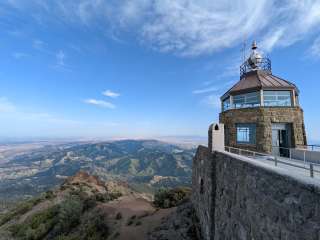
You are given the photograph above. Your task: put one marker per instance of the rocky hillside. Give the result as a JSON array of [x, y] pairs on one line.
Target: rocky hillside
[[84, 207], [145, 164]]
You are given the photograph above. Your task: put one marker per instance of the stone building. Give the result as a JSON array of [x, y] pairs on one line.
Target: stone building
[[261, 112]]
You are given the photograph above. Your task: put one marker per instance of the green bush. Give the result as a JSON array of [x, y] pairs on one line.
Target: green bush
[[107, 197], [94, 226], [69, 215], [36, 226], [130, 222], [167, 198], [21, 209]]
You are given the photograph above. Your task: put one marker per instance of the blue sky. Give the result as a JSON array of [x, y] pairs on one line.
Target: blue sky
[[144, 68]]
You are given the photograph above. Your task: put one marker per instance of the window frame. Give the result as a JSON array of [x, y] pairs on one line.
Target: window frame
[[226, 104], [277, 95], [250, 128], [247, 100]]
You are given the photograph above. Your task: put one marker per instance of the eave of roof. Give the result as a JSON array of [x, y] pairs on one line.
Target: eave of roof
[[257, 80]]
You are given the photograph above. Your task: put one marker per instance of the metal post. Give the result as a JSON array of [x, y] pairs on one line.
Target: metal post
[[254, 154], [275, 160], [290, 153], [304, 157], [311, 170]]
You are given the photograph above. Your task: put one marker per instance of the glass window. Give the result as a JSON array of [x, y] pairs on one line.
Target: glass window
[[246, 133], [246, 100], [277, 98], [226, 104]]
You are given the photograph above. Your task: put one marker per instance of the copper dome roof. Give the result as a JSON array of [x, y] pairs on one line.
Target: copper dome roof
[[259, 79]]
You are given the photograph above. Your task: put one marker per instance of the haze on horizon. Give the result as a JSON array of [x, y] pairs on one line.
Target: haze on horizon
[[141, 69]]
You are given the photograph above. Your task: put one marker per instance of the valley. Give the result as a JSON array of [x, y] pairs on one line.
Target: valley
[[29, 169]]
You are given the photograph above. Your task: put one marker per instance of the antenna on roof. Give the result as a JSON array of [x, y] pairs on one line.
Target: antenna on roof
[[243, 50]]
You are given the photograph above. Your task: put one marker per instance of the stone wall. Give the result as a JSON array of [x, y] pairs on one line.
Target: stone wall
[[203, 189], [263, 117], [245, 199]]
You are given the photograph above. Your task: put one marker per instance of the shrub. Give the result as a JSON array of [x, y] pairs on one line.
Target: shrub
[[166, 198], [21, 209], [94, 226], [36, 226], [130, 222], [69, 215]]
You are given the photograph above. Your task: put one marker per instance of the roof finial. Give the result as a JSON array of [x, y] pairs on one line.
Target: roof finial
[[254, 45]]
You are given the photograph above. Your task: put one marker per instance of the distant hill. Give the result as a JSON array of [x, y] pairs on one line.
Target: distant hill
[[145, 164]]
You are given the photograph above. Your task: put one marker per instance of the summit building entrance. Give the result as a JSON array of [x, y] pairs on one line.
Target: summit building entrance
[[281, 139]]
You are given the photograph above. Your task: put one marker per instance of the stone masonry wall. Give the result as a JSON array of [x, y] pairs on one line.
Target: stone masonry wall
[[203, 201], [246, 200], [263, 117]]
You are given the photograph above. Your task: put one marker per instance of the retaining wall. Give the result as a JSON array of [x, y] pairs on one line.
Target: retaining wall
[[244, 200]]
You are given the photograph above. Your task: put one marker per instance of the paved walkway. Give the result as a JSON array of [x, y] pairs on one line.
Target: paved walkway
[[295, 166]]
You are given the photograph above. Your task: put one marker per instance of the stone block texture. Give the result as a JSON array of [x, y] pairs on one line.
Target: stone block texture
[[246, 201], [203, 189], [263, 117]]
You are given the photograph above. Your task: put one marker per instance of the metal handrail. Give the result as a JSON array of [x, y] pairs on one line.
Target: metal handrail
[[311, 147], [299, 149], [275, 159]]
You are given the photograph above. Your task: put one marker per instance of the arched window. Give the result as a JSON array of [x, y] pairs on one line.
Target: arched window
[[216, 127]]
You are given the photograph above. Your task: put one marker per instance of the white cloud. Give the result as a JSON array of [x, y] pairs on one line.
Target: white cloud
[[212, 101], [109, 93], [205, 90], [6, 106], [188, 27], [15, 121], [315, 48], [100, 103], [19, 55], [37, 44], [8, 109], [60, 57]]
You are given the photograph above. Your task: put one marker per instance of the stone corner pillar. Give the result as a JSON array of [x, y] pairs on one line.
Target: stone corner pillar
[[216, 137]]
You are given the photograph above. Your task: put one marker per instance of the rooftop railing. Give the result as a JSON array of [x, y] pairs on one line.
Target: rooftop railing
[[264, 64]]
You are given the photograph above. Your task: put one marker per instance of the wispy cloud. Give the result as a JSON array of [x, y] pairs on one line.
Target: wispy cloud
[[109, 93], [315, 48], [6, 106], [100, 103], [212, 100], [205, 90], [19, 55], [60, 57], [16, 121], [187, 27], [38, 44]]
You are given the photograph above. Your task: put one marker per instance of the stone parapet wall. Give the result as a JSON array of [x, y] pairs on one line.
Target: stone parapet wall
[[203, 201], [245, 199], [263, 117]]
